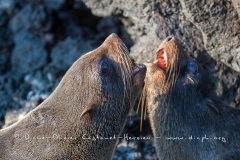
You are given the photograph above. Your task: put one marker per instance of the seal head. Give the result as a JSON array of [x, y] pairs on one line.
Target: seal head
[[85, 114]]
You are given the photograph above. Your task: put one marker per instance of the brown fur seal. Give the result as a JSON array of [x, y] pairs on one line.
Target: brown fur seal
[[84, 116], [188, 120]]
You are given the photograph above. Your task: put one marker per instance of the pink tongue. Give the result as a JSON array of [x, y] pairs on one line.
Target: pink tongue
[[135, 70]]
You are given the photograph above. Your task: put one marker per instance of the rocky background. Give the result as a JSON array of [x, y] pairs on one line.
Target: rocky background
[[40, 39]]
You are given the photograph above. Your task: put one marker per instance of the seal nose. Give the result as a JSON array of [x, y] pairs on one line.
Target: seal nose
[[114, 42], [169, 38], [113, 37]]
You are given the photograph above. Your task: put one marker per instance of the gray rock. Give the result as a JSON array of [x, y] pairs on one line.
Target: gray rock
[[6, 44], [54, 4], [34, 17], [7, 96], [135, 15], [236, 4], [219, 25], [66, 52], [28, 54], [140, 52], [108, 25], [112, 24], [6, 40], [4, 59], [126, 151], [228, 85], [3, 19], [7, 4]]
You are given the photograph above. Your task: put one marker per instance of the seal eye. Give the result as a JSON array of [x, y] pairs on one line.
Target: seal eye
[[105, 68], [192, 68]]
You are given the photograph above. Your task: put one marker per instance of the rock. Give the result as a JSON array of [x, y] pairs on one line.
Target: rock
[[112, 24], [6, 93], [54, 4], [126, 151], [229, 85], [135, 149], [3, 19], [6, 41], [136, 15], [212, 19], [66, 52], [28, 54], [236, 4], [140, 52], [4, 59], [7, 5], [108, 25], [75, 31], [4, 104], [37, 81], [12, 117], [31, 17]]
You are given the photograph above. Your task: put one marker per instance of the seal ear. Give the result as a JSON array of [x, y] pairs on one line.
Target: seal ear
[[89, 111], [211, 106]]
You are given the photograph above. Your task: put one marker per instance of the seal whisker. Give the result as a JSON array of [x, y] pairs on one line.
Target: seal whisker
[[124, 71], [140, 99], [169, 83], [175, 73], [128, 66], [144, 104], [143, 107]]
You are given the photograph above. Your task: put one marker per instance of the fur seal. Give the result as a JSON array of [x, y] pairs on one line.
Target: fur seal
[[187, 118], [84, 116]]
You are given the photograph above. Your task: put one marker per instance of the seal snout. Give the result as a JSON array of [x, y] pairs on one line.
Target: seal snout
[[113, 35], [113, 39], [138, 68], [115, 43]]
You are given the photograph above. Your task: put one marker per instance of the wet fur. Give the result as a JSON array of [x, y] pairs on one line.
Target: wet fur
[[84, 103], [181, 105]]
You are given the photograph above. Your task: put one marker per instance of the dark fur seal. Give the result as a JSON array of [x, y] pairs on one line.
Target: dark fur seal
[[188, 120], [84, 116]]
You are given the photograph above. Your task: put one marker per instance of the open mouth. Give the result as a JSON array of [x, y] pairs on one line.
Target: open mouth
[[137, 68], [161, 60]]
